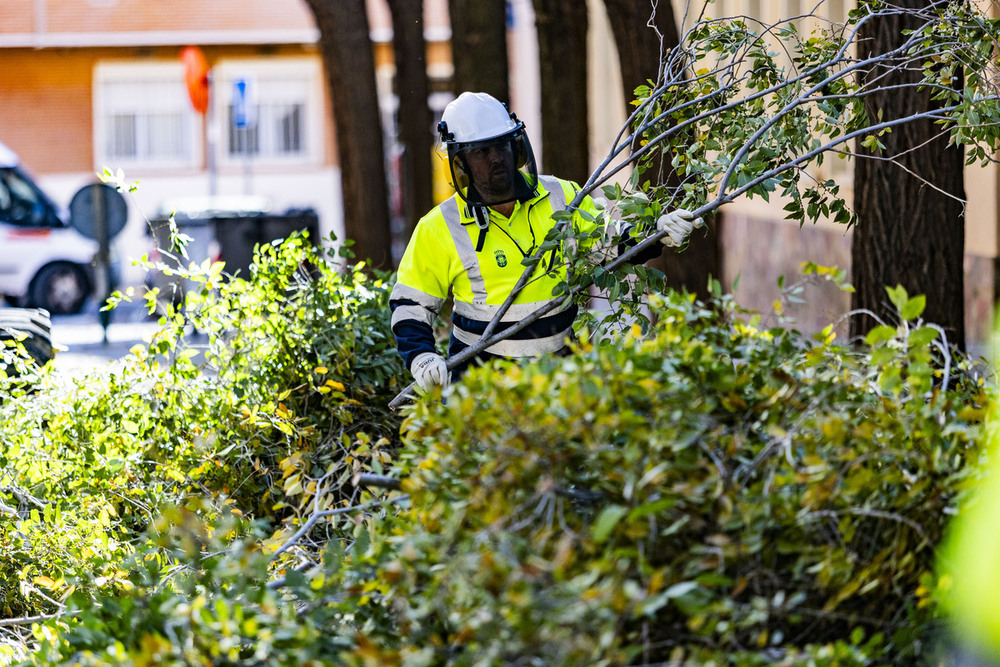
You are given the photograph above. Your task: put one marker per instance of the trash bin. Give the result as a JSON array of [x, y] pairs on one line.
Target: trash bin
[[221, 229], [238, 235], [202, 246]]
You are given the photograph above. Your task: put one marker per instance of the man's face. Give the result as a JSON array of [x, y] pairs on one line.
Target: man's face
[[492, 171]]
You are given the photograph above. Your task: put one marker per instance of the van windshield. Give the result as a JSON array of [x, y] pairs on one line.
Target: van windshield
[[20, 202]]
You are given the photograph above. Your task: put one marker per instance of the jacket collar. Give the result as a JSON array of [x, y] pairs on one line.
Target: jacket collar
[[469, 219]]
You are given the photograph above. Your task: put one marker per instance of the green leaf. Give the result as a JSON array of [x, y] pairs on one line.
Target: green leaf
[[881, 356], [606, 521], [898, 296], [922, 336], [654, 507], [681, 589], [913, 308], [880, 334]]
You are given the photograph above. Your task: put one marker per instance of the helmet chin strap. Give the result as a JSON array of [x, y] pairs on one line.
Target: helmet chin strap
[[482, 215]]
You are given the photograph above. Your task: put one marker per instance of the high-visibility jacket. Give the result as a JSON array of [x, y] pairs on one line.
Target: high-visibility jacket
[[448, 252]]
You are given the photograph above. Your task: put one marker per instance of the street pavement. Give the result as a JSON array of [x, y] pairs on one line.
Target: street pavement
[[83, 343]]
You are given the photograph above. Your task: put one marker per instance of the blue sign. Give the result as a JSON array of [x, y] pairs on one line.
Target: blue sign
[[243, 106]]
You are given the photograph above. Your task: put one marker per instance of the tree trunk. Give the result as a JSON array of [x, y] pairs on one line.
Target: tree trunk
[[644, 31], [642, 34], [413, 117], [479, 47], [562, 55], [350, 67], [910, 228]]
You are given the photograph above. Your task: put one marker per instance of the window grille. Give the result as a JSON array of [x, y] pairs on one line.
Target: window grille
[[282, 114], [143, 116]]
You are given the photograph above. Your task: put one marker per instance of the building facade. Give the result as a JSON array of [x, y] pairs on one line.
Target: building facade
[[89, 84], [95, 84]]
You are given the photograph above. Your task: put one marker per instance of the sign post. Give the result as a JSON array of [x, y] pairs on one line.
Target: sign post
[[198, 77], [99, 212], [245, 121]]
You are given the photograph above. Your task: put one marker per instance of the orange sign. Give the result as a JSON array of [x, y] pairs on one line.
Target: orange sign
[[196, 75]]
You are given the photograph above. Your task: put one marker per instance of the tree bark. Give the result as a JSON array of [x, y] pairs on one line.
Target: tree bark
[[350, 67], [562, 55], [413, 116], [479, 47], [645, 31], [909, 202]]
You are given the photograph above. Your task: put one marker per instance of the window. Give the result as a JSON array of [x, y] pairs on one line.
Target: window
[[272, 109], [20, 202], [143, 116]]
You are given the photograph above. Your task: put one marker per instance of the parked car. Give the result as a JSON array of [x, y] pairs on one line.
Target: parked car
[[44, 262], [33, 328]]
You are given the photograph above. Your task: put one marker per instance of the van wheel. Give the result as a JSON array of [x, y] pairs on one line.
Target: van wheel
[[59, 288]]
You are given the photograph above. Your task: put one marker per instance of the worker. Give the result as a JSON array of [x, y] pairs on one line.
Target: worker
[[472, 245]]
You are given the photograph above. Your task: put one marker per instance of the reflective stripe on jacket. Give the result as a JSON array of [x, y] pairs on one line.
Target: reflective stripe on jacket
[[441, 257]]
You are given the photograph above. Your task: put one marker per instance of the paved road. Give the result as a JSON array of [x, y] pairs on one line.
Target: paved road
[[83, 337]]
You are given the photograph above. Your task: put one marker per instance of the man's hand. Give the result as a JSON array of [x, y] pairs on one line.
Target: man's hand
[[678, 225], [429, 370]]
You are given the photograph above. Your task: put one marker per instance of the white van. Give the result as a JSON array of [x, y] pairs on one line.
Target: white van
[[44, 262]]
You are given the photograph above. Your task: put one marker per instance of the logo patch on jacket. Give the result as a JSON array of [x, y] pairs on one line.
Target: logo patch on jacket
[[501, 258]]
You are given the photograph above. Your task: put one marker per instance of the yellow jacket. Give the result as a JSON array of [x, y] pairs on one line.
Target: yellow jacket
[[442, 257]]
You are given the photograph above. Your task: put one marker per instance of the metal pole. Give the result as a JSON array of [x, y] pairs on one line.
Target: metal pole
[[212, 132], [103, 258]]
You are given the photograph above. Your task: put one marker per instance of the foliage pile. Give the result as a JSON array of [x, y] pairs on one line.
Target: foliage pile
[[701, 489], [251, 396], [707, 490], [300, 359]]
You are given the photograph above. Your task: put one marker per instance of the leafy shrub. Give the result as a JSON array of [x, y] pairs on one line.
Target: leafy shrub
[[193, 597], [289, 366], [260, 411], [711, 493], [707, 491]]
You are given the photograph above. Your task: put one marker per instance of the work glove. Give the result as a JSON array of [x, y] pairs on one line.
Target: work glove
[[429, 370], [678, 226], [606, 249]]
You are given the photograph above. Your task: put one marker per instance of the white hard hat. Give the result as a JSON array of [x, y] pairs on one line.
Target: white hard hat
[[476, 117], [478, 120]]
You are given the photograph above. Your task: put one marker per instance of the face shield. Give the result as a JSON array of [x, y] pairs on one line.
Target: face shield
[[490, 160], [494, 171]]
